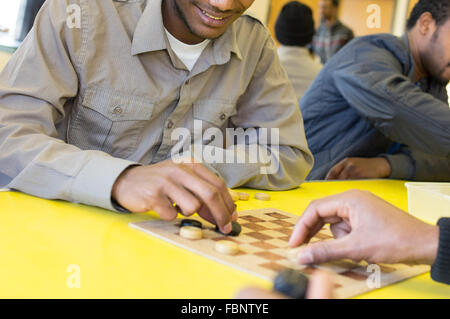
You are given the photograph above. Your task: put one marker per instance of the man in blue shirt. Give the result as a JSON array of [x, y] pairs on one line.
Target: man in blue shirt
[[379, 108]]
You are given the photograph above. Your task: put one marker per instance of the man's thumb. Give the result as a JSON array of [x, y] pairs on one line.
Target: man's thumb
[[324, 251]]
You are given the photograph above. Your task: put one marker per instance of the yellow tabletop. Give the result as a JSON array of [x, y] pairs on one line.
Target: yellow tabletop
[[46, 246]]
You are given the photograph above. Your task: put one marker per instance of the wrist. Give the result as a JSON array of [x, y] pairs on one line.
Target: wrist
[[384, 167], [119, 181], [428, 246]]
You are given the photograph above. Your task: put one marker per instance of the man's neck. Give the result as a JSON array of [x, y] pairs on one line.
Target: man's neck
[[419, 71], [175, 24]]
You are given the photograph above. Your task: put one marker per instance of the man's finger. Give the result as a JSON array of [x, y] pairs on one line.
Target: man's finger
[[210, 177], [210, 196], [257, 293], [320, 286], [165, 209], [326, 210], [206, 214], [340, 230], [184, 199], [325, 251], [336, 170]]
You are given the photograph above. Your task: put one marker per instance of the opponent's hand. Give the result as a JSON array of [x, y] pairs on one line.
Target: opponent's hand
[[320, 287], [360, 168], [365, 227], [191, 186]]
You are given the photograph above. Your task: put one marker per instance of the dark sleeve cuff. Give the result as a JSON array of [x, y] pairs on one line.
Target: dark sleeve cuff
[[119, 208], [402, 166], [440, 271]]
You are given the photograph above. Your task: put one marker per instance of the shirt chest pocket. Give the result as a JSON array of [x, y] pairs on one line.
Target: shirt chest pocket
[[109, 121], [214, 112]]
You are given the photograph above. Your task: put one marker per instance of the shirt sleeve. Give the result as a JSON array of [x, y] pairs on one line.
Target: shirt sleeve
[[374, 86], [269, 102], [410, 164], [440, 271], [35, 86]]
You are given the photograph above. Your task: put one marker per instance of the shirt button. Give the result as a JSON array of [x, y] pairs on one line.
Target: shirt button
[[117, 110], [170, 125], [223, 116]]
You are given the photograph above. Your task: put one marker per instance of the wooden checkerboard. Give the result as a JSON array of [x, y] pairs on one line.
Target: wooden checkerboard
[[264, 251]]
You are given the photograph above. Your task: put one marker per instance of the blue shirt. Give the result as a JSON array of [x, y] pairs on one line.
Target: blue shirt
[[365, 99]]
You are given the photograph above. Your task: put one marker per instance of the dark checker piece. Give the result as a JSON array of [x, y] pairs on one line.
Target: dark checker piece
[[191, 222], [292, 283], [235, 229]]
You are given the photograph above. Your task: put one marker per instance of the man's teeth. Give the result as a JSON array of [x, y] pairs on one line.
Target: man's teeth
[[210, 16]]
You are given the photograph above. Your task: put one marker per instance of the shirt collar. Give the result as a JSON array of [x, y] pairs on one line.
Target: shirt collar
[[150, 35], [225, 45]]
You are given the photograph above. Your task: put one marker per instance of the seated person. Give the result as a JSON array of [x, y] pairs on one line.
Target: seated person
[[379, 107], [90, 105], [366, 227], [294, 30]]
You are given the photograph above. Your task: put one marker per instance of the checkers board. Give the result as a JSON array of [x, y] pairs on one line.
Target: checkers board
[[264, 251]]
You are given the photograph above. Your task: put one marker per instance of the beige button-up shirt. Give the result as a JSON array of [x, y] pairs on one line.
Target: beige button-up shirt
[[80, 103]]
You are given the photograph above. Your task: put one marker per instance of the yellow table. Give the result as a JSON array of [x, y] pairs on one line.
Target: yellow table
[[45, 244]]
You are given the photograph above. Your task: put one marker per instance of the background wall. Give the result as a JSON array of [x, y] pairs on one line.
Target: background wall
[[352, 12], [260, 9], [412, 3]]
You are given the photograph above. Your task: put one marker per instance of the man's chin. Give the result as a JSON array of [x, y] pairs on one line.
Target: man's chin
[[209, 35], [442, 80]]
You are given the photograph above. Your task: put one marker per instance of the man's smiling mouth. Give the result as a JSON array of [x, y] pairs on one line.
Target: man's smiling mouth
[[211, 16]]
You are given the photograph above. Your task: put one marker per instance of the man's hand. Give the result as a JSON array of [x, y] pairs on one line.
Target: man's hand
[[191, 186], [360, 168], [365, 227], [320, 287]]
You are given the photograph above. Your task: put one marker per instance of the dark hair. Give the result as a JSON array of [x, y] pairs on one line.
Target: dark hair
[[439, 9], [335, 3]]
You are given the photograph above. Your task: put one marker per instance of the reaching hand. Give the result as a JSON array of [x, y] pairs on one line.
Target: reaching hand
[[365, 227], [360, 168], [191, 186]]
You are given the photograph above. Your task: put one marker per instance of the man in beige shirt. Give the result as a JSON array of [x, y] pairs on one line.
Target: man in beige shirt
[[93, 103]]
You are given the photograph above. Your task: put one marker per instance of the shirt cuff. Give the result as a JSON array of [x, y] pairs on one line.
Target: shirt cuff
[[440, 271], [94, 183], [402, 166]]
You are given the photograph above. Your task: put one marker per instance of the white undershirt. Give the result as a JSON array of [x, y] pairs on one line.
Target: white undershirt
[[188, 54]]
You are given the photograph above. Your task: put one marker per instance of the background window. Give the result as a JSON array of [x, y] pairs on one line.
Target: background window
[[16, 20]]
